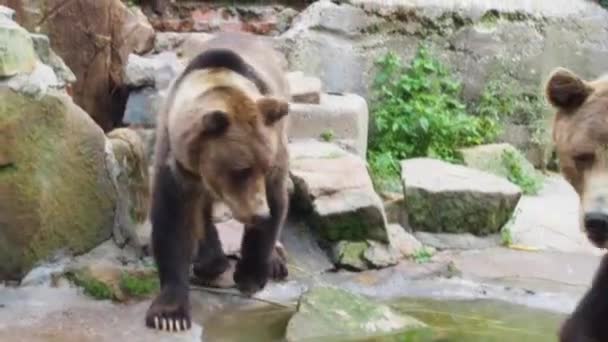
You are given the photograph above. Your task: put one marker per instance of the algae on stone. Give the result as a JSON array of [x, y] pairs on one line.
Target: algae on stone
[[56, 191], [332, 314]]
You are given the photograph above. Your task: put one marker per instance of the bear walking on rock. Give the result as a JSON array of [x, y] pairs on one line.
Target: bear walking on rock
[[580, 134], [221, 137]]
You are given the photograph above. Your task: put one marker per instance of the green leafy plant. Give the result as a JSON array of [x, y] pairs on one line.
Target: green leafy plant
[[418, 112], [423, 255], [504, 100], [604, 3], [528, 180], [328, 135]]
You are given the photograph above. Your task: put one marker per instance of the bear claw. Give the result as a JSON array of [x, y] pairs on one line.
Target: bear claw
[[170, 311]]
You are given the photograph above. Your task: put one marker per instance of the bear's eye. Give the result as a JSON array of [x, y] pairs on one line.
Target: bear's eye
[[242, 174], [584, 160]]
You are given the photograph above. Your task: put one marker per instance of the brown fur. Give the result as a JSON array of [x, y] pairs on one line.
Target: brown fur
[[221, 137], [580, 134]]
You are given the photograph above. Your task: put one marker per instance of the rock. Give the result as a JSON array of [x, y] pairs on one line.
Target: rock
[[380, 255], [148, 138], [142, 107], [304, 89], [328, 313], [334, 190], [466, 241], [341, 118], [349, 254], [37, 83], [139, 71], [305, 256], [444, 197], [155, 71], [402, 241], [7, 13], [58, 193], [394, 206], [16, 49], [485, 35], [137, 33], [129, 170], [109, 272], [491, 158], [95, 47]]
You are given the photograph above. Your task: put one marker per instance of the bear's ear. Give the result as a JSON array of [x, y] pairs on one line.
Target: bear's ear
[[214, 123], [565, 90], [272, 109]]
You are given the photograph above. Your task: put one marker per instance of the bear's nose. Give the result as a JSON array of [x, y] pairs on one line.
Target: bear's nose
[[596, 223]]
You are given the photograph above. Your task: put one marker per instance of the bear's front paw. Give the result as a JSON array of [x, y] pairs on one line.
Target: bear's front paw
[[251, 277], [170, 311], [278, 266]]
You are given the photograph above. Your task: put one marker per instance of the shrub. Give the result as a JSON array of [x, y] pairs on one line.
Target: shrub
[[417, 112]]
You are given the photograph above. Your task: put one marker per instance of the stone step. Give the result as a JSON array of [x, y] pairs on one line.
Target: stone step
[[339, 118], [304, 89]]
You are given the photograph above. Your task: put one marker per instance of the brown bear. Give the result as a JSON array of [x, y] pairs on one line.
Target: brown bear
[[580, 134], [220, 137]]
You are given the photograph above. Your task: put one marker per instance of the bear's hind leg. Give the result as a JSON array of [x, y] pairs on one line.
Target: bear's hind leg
[[172, 235], [210, 261]]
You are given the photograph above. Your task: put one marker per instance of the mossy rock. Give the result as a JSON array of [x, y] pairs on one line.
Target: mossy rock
[[447, 198], [332, 314], [506, 161], [55, 186]]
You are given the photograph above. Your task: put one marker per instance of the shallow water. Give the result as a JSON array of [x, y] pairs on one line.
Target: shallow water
[[451, 321]]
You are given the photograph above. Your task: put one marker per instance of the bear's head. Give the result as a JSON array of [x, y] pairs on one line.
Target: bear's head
[[231, 141], [580, 133]]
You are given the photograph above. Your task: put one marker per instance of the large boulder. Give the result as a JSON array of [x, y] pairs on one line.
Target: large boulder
[[335, 190], [331, 314], [94, 37], [56, 193], [444, 197]]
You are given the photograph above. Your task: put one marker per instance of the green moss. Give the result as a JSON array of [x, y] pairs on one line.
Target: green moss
[[139, 285], [61, 195], [528, 180], [91, 286], [357, 226]]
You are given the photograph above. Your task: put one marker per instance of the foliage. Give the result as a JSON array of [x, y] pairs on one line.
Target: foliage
[[423, 255], [328, 135], [504, 100], [528, 180], [91, 286], [604, 3], [418, 112], [139, 285], [506, 239]]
